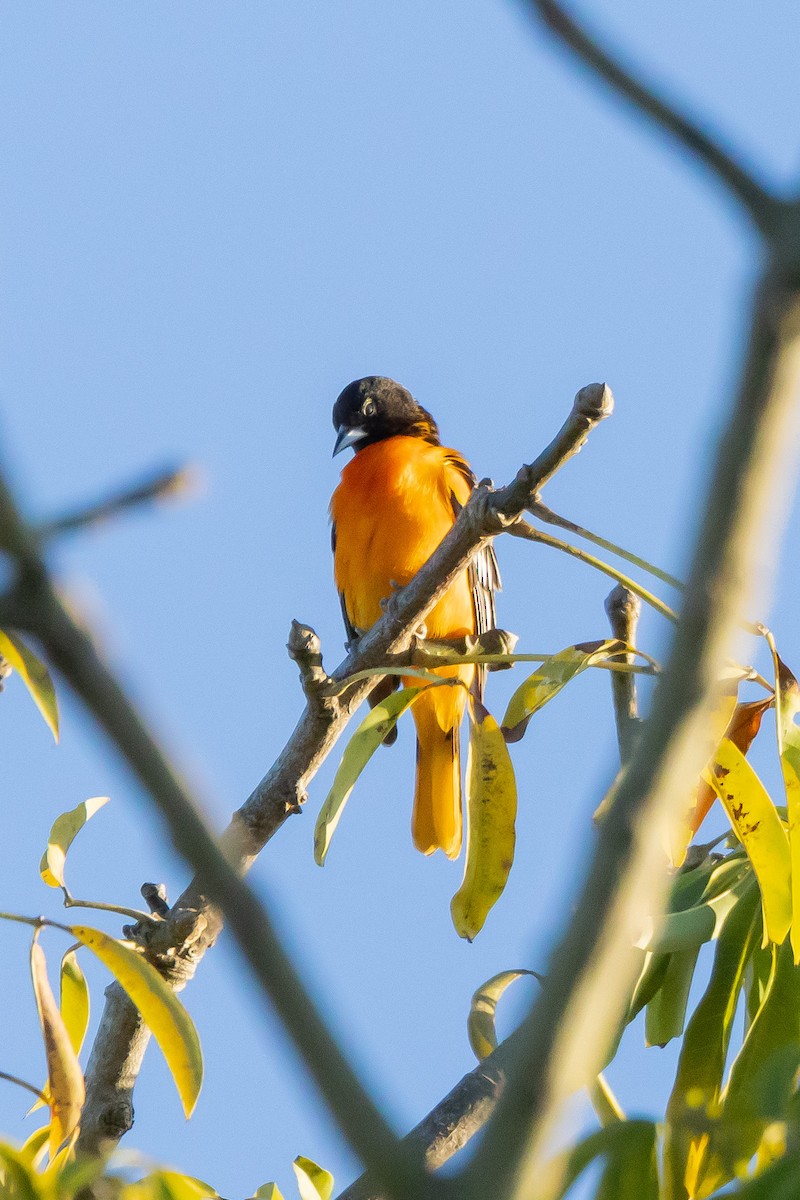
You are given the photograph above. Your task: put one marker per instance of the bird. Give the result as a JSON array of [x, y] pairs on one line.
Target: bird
[[397, 498]]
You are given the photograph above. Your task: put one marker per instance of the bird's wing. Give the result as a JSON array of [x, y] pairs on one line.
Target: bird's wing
[[483, 571], [350, 629]]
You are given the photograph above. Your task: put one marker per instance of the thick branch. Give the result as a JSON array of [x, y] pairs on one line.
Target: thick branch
[[217, 888], [758, 202], [453, 1122], [572, 1023]]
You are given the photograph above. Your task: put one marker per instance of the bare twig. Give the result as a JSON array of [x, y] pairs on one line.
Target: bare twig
[[176, 481], [119, 1046], [623, 609], [761, 206]]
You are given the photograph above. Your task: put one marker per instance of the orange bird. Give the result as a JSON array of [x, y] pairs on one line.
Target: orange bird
[[397, 499]]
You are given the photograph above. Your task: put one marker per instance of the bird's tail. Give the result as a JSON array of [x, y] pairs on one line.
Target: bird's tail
[[436, 819]]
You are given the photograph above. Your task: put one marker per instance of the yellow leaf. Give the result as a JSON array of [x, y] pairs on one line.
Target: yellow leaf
[[787, 707], [62, 835], [678, 834], [65, 1079], [379, 721], [313, 1181], [74, 1008], [268, 1191], [483, 1010], [491, 814], [756, 823], [34, 675], [554, 674], [168, 1020]]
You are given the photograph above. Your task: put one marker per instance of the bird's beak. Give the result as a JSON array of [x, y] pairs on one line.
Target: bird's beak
[[347, 436]]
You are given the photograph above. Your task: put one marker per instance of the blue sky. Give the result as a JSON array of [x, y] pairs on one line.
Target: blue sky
[[212, 217]]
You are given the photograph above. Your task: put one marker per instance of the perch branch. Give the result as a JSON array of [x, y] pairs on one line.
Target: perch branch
[[217, 888]]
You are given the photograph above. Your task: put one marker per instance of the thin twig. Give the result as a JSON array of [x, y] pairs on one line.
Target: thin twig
[[23, 1083], [177, 481], [623, 609], [760, 205]]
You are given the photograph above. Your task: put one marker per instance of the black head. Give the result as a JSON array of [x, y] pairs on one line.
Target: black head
[[374, 408]]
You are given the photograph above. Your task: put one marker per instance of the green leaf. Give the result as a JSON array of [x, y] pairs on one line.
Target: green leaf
[[19, 1180], [761, 1080], [34, 675], [63, 833], [756, 823], [781, 1181], [607, 1107], [491, 817], [698, 1081], [268, 1191], [483, 1010], [666, 1011], [631, 1172], [546, 682], [65, 1085], [378, 722], [314, 1182], [166, 1017]]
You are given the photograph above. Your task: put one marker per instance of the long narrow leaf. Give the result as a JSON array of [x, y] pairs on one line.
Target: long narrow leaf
[[34, 675], [546, 682], [372, 731], [168, 1020], [492, 813], [759, 828], [65, 1084], [787, 708]]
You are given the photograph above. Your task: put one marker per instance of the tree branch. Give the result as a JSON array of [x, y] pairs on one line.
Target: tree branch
[[176, 481], [572, 1024], [217, 888], [760, 205], [453, 1122], [623, 608]]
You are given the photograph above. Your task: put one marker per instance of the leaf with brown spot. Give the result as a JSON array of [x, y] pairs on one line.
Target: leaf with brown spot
[[491, 817], [744, 725]]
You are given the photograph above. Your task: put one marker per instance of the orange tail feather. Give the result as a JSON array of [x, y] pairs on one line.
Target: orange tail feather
[[436, 819]]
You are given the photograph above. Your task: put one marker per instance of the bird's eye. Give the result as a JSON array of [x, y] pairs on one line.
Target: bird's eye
[[368, 407]]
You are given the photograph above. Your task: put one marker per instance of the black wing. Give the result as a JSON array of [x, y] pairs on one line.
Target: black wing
[[350, 629], [484, 575]]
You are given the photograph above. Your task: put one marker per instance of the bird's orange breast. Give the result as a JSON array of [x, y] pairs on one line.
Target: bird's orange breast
[[390, 511]]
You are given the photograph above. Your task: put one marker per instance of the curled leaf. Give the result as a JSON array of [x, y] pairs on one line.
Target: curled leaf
[[491, 817], [483, 1011], [65, 1084], [34, 675], [168, 1020], [313, 1181], [372, 731], [63, 833]]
